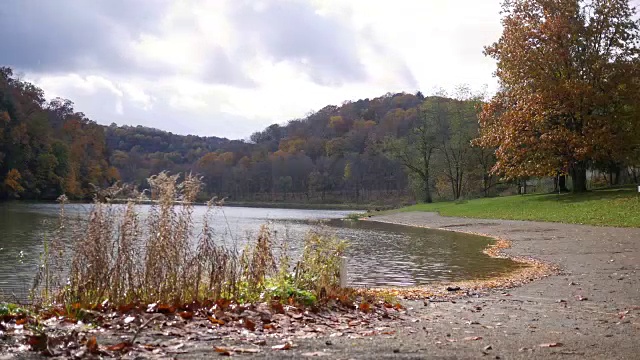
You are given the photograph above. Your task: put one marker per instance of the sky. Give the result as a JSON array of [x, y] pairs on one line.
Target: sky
[[229, 68]]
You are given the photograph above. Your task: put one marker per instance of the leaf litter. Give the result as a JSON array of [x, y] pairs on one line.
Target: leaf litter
[[227, 328]]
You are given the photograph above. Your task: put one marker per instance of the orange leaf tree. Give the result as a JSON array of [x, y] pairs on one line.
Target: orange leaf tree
[[568, 74]]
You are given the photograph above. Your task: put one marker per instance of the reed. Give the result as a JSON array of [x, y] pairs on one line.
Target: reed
[[122, 255]]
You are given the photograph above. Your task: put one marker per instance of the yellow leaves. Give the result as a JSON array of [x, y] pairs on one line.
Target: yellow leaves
[[292, 146], [12, 181]]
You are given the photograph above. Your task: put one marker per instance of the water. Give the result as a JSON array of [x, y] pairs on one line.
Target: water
[[379, 254]]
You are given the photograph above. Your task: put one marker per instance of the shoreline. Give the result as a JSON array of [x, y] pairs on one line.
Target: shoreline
[[533, 270]]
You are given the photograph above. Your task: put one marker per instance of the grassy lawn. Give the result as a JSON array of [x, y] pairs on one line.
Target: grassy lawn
[[611, 207]]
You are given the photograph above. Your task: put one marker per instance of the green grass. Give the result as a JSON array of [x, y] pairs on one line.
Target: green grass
[[610, 207]]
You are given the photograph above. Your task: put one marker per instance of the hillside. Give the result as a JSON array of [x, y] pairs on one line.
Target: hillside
[[338, 154]]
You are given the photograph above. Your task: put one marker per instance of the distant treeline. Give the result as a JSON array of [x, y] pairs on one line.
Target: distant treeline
[[366, 151]]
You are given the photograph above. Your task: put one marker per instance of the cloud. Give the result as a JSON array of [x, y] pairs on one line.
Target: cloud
[[231, 67], [322, 46], [70, 35]]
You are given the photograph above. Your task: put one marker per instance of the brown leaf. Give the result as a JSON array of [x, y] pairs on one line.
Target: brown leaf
[[285, 346], [317, 353], [37, 342], [21, 321], [268, 326], [166, 309], [365, 307], [187, 315], [92, 345], [277, 307], [223, 350], [249, 324], [215, 321], [473, 338], [550, 345], [119, 347], [125, 308]]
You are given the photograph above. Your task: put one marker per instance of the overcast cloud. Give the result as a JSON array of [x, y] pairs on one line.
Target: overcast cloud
[[231, 67]]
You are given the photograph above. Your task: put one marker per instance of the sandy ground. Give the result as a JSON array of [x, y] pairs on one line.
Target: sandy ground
[[591, 310]]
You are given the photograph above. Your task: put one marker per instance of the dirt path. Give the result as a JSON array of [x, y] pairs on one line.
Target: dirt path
[[592, 308]]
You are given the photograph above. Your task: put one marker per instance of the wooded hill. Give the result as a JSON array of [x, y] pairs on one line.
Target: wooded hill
[[338, 154]]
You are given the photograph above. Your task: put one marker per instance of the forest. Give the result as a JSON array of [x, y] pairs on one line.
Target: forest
[[355, 152], [556, 120]]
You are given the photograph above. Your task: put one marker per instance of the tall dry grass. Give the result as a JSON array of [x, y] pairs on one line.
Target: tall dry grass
[[121, 255]]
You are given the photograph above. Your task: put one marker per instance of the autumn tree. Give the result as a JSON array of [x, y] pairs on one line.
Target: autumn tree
[[568, 75]]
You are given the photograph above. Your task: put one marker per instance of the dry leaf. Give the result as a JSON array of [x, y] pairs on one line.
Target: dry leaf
[[119, 347], [317, 353], [551, 345], [187, 315], [215, 321], [365, 307], [249, 324], [92, 345], [285, 346], [473, 338]]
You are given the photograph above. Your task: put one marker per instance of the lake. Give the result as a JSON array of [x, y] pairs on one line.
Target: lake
[[378, 255]]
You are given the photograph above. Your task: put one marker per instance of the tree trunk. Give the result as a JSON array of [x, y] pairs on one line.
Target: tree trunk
[[427, 191], [562, 184], [579, 177]]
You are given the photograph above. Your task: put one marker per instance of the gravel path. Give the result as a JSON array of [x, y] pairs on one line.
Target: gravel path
[[590, 311]]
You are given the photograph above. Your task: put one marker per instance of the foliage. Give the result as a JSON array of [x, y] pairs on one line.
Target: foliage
[[611, 207], [568, 72], [46, 148]]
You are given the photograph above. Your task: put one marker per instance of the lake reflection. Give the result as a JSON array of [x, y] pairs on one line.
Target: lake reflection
[[379, 254]]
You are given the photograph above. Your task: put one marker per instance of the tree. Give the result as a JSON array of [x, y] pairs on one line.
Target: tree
[[12, 183], [568, 72], [456, 127], [415, 151]]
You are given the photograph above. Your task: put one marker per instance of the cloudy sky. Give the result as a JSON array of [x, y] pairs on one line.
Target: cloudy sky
[[231, 67]]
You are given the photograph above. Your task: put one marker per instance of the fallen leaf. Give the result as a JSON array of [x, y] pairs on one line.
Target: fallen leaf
[[473, 338], [285, 346], [317, 353], [223, 350], [249, 324], [215, 321], [92, 345], [21, 321], [187, 315], [365, 307], [37, 342], [166, 309], [550, 345], [277, 307], [119, 347]]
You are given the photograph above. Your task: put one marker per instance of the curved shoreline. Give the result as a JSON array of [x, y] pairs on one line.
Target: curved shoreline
[[533, 269]]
